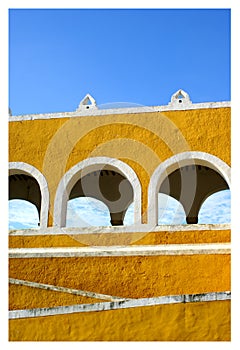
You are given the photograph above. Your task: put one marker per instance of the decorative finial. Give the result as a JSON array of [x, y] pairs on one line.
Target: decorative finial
[[87, 102], [180, 99]]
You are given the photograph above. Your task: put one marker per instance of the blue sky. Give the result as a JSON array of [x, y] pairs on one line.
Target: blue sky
[[118, 55], [83, 212], [139, 56]]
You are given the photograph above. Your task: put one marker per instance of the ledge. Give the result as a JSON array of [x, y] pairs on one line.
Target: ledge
[[117, 229], [103, 251], [131, 110], [104, 306]]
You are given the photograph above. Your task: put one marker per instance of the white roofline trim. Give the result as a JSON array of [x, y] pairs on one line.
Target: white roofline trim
[[115, 111]]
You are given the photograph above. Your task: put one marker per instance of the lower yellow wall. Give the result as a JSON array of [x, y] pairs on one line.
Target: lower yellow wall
[[203, 321], [129, 276]]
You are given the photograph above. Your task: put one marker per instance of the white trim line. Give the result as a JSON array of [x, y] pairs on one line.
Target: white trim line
[[25, 168], [103, 251], [118, 229], [64, 290], [169, 299], [88, 165], [177, 161], [130, 110]]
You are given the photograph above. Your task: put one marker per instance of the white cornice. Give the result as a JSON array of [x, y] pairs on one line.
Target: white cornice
[[115, 111]]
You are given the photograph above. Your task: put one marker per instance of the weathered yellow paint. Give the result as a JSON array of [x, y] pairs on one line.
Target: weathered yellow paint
[[209, 321], [103, 239], [206, 130], [129, 276], [53, 146]]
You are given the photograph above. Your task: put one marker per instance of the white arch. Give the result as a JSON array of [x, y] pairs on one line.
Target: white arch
[[89, 165], [173, 163], [25, 168]]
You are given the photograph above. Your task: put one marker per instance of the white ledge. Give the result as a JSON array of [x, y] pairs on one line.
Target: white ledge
[[143, 250], [104, 306], [118, 229], [129, 110]]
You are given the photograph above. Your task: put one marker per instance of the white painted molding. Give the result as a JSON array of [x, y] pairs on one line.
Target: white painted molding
[[129, 110], [114, 305], [175, 162], [99, 230], [25, 168], [87, 166], [103, 251]]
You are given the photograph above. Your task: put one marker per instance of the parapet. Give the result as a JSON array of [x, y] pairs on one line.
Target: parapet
[[180, 100]]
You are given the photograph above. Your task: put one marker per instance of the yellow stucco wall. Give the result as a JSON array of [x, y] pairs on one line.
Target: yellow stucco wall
[[129, 276], [204, 321], [141, 140]]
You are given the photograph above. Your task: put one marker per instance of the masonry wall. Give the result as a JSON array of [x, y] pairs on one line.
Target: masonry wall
[[127, 276], [209, 321], [141, 140]]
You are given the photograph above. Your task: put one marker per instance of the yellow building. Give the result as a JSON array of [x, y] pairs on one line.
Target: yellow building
[[143, 281]]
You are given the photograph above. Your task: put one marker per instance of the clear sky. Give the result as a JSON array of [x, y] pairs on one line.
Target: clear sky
[[117, 55], [82, 212]]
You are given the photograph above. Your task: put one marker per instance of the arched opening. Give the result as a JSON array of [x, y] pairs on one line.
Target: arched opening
[[25, 187], [109, 187], [27, 183], [191, 185], [108, 180], [170, 211], [216, 209], [22, 215], [190, 178], [22, 186]]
